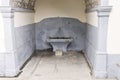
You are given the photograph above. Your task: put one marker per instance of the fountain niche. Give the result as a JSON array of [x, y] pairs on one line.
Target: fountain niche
[[59, 42], [61, 34]]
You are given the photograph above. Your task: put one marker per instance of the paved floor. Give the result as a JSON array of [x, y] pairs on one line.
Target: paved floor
[[46, 66]]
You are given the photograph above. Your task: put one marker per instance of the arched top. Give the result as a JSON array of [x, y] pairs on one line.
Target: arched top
[[29, 4]]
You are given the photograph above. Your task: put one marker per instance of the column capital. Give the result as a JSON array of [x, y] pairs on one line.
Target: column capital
[[7, 11], [100, 9], [104, 11]]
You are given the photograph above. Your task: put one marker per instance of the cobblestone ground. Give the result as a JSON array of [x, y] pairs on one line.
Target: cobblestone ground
[[45, 65]]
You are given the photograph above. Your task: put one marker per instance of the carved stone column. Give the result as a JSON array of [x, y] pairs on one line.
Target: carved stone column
[[100, 70], [9, 56], [7, 53], [100, 61]]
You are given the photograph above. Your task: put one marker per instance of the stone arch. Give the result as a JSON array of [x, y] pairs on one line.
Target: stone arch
[[100, 71]]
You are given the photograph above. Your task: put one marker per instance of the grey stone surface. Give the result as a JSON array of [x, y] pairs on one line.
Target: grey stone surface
[[101, 61], [113, 65], [16, 54], [91, 43], [96, 59], [2, 67], [59, 44], [69, 28], [10, 64], [7, 56], [24, 42], [100, 67], [96, 43], [115, 71]]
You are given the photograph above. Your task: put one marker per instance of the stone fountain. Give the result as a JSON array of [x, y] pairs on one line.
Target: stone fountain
[[59, 42]]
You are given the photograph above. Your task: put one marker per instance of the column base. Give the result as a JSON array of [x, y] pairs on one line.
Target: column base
[[100, 74]]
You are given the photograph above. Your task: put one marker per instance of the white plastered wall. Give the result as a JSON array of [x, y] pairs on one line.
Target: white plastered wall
[[60, 8], [92, 19], [0, 3], [2, 38], [5, 2], [23, 18], [113, 40]]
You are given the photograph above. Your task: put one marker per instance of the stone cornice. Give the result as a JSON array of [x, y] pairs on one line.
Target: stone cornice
[[91, 10], [7, 9], [23, 10], [102, 10], [8, 12]]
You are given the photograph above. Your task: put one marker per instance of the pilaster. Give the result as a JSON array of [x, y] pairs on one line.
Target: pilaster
[[100, 70], [8, 56]]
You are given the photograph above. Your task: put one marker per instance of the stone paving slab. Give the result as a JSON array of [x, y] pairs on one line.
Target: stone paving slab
[[46, 66]]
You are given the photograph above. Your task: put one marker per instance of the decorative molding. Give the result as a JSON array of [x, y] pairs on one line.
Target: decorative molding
[[91, 10], [23, 10], [5, 9], [99, 9], [104, 11], [26, 4], [92, 4], [7, 12]]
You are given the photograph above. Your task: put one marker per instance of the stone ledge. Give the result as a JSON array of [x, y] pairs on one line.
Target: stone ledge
[[8, 9], [23, 10], [100, 9], [5, 9]]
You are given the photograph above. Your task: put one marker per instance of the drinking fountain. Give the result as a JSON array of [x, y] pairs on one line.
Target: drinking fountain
[[59, 44]]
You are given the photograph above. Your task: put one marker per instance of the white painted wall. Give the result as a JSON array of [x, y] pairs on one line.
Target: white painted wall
[[92, 19], [23, 18], [5, 2], [60, 8], [2, 38], [113, 40], [0, 2]]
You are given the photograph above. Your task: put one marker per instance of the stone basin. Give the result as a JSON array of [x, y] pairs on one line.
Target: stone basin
[[59, 43]]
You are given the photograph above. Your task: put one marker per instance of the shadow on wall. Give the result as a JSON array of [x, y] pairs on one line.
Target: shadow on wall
[[60, 27]]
